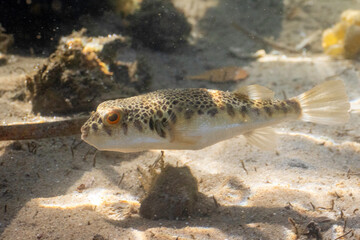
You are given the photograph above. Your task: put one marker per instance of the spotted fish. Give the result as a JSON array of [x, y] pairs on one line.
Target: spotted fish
[[196, 118]]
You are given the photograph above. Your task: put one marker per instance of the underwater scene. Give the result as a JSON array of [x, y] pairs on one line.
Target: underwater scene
[[180, 119]]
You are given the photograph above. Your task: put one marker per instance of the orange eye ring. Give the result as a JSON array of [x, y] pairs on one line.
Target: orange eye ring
[[113, 117]]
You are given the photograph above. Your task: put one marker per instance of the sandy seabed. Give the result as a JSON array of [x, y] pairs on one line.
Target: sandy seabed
[[307, 189]]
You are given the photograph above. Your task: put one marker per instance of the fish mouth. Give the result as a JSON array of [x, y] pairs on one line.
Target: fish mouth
[[85, 131], [92, 125], [84, 136]]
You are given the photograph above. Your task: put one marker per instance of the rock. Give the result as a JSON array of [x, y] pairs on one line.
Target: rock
[[173, 194], [159, 25], [82, 73], [6, 40]]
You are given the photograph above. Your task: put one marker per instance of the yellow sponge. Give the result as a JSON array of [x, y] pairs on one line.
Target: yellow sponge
[[343, 39]]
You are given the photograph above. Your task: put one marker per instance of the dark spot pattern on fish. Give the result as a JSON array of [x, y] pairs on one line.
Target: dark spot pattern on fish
[[94, 126], [256, 111], [173, 118], [159, 113], [159, 129], [124, 127], [268, 111], [164, 122], [151, 124], [230, 110], [188, 113], [138, 125], [243, 111], [294, 105], [285, 109], [212, 112], [107, 130]]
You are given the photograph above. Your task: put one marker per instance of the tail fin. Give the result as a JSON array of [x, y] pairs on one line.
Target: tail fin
[[327, 103]]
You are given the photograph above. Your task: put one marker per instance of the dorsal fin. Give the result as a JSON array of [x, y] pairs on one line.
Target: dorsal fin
[[256, 92]]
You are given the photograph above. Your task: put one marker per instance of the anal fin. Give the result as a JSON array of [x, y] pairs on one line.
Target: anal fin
[[263, 138]]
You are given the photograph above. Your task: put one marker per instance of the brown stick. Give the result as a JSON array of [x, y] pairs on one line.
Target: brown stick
[[344, 235], [41, 130], [258, 38]]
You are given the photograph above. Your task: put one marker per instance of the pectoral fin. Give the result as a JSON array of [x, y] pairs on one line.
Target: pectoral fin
[[263, 138], [182, 133]]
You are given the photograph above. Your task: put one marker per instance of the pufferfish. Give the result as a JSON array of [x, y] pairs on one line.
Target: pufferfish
[[195, 118]]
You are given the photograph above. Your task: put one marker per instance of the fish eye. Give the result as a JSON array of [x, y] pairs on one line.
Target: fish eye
[[113, 117]]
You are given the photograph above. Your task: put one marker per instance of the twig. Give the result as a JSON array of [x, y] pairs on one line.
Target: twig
[[215, 202], [243, 166], [160, 160], [341, 214], [337, 195], [258, 38], [343, 235], [292, 221], [121, 179], [289, 203], [86, 154], [94, 158], [312, 205], [32, 147], [349, 173], [308, 40], [41, 130], [76, 145], [329, 208], [72, 152]]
